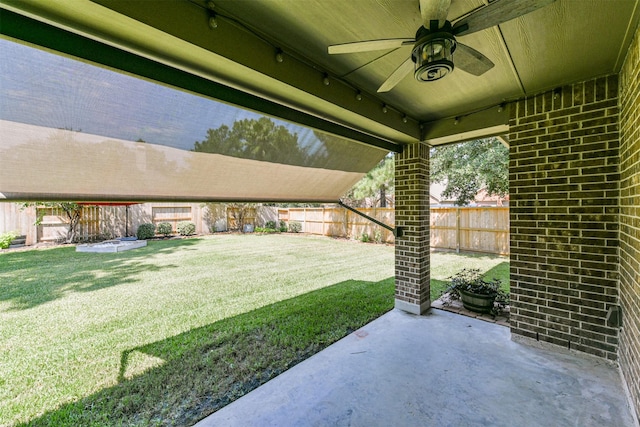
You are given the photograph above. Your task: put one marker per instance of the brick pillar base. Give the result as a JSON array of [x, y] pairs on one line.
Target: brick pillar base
[[412, 217]]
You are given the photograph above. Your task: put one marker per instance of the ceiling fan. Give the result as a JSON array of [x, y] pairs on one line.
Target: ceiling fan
[[432, 56]]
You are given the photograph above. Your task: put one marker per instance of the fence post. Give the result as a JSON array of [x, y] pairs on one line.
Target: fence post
[[346, 223], [304, 220], [458, 229]]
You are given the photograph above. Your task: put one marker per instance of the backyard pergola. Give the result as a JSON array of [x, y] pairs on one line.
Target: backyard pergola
[[563, 92]]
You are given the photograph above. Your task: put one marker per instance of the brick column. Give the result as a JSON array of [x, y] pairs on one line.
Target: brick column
[[412, 217]]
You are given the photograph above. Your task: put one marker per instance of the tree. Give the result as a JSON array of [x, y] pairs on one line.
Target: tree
[[259, 139], [469, 167], [72, 210], [378, 184], [239, 213]]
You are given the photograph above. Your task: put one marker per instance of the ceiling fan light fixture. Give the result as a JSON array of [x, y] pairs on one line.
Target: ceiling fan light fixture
[[435, 42], [433, 56]]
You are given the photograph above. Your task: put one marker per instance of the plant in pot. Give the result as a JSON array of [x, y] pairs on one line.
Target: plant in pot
[[476, 293]]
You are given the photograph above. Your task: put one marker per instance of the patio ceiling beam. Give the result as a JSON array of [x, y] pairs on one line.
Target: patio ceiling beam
[[492, 121]]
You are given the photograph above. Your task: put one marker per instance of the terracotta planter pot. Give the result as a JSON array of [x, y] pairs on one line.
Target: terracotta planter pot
[[480, 303]]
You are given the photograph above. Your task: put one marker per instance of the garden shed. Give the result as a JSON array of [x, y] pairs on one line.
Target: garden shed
[[562, 86]]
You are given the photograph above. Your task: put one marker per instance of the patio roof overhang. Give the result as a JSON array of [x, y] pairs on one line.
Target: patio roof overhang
[[565, 42], [235, 62]]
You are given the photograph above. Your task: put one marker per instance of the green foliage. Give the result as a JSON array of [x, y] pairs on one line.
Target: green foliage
[[472, 280], [186, 228], [283, 227], [365, 237], [270, 224], [265, 230], [262, 139], [339, 154], [445, 264], [6, 239], [146, 231], [259, 139], [164, 228], [378, 184], [295, 227], [469, 167], [377, 235], [235, 216], [72, 210], [215, 216], [240, 212]]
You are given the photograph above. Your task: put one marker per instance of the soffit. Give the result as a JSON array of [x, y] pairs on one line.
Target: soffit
[[565, 42]]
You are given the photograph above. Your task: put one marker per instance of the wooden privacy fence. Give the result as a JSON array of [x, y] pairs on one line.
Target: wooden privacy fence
[[55, 223], [171, 214], [107, 221], [475, 229], [339, 222]]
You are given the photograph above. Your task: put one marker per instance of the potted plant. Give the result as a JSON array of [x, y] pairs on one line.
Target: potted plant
[[476, 293]]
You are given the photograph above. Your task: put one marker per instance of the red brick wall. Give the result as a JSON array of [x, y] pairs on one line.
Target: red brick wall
[[630, 220], [412, 216], [564, 187]]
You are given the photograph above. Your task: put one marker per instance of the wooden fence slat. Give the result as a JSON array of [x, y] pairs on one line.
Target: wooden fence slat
[[171, 214], [478, 229]]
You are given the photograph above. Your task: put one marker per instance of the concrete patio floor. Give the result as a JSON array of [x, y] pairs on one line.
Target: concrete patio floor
[[441, 369]]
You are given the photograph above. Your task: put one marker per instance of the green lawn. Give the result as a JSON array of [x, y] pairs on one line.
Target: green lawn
[[167, 334]]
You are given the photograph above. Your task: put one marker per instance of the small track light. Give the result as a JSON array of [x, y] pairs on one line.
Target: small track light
[[325, 80], [385, 109], [358, 96], [404, 118], [279, 57], [213, 22]]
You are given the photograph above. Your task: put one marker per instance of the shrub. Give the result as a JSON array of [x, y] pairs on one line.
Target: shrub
[[295, 227], [146, 231], [164, 228], [283, 227], [265, 230], [186, 228], [365, 237], [270, 224], [471, 280], [6, 238]]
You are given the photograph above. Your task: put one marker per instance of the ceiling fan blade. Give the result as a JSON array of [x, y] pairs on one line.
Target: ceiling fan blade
[[369, 45], [405, 68], [496, 13], [436, 10], [470, 60]]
